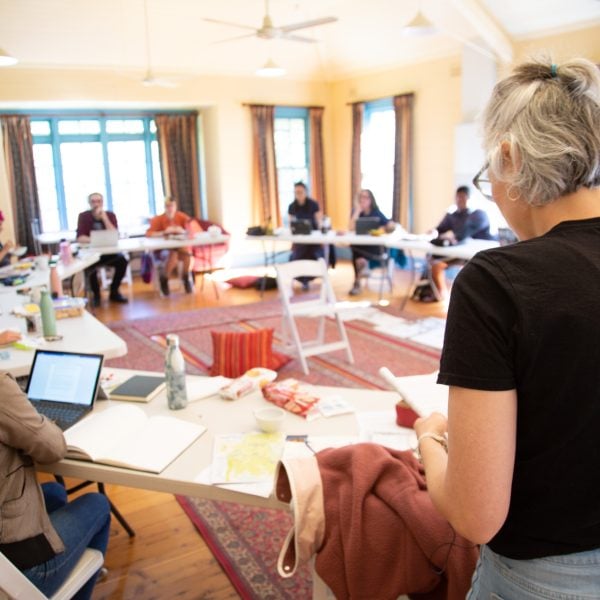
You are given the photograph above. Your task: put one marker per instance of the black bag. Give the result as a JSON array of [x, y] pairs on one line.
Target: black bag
[[266, 283], [255, 230], [423, 292]]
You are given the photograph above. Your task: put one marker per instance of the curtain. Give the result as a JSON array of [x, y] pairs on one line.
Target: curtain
[[358, 111], [178, 145], [265, 197], [18, 151], [317, 166], [403, 158]]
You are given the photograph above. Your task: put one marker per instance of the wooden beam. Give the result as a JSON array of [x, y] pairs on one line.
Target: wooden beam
[[488, 29]]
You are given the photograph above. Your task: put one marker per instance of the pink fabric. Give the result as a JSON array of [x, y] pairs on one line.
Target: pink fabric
[[383, 535]]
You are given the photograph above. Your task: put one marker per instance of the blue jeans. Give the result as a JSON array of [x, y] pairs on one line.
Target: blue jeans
[[566, 577], [82, 523]]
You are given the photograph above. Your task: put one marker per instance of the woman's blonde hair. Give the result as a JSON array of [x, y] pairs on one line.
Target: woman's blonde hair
[[549, 115]]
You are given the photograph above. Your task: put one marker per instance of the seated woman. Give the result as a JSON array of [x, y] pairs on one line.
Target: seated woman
[[6, 247], [361, 255], [521, 350], [41, 533]]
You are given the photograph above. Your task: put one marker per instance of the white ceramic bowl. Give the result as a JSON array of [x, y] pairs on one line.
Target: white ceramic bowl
[[18, 251], [269, 419]]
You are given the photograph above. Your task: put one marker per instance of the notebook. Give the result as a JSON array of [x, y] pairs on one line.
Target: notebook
[[63, 385], [365, 224], [104, 237], [301, 227], [139, 388]]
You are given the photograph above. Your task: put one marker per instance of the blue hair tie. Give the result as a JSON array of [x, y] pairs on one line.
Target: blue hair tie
[[553, 70]]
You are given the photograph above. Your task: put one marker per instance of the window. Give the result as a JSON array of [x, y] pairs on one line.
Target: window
[[377, 152], [291, 152], [75, 156]]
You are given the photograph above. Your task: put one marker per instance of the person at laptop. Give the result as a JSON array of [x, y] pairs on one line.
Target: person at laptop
[[41, 533], [97, 219], [456, 227], [172, 222], [308, 209], [366, 206]]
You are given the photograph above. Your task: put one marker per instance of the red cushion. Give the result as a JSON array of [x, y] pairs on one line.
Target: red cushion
[[243, 282], [234, 353]]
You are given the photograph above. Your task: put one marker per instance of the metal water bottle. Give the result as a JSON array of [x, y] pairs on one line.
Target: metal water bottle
[[48, 316], [175, 374]]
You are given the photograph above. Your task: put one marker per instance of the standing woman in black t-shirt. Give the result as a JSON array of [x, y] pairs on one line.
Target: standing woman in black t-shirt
[[522, 349]]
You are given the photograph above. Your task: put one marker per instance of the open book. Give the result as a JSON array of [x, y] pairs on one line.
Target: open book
[[420, 392], [124, 436]]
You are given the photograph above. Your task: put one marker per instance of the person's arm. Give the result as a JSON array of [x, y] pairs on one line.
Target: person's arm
[[353, 217], [23, 428], [8, 337], [471, 484], [477, 221], [6, 248], [112, 220], [84, 227], [155, 229]]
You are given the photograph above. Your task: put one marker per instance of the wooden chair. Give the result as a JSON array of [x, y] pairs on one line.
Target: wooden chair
[[14, 585], [321, 307]]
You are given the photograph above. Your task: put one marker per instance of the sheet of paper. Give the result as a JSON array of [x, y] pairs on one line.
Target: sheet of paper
[[379, 427], [198, 389], [246, 457]]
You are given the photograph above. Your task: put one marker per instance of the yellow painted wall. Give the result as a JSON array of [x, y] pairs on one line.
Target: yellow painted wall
[[227, 128]]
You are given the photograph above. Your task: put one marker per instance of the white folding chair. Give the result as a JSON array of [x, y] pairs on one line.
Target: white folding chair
[[321, 307], [14, 585]]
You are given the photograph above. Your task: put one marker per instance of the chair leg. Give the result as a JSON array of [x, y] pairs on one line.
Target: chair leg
[[344, 336]]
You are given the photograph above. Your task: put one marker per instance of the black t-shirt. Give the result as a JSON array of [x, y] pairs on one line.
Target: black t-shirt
[[308, 211], [527, 317]]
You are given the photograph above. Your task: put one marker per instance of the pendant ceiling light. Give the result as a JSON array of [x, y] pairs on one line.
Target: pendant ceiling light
[[270, 69], [419, 25], [6, 60]]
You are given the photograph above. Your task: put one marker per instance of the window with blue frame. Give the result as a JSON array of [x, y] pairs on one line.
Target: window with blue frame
[[291, 152], [77, 155], [377, 152]]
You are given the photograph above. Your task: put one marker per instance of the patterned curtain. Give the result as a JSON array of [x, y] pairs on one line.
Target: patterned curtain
[[18, 151], [265, 197], [358, 111], [317, 166], [178, 144], [402, 198]]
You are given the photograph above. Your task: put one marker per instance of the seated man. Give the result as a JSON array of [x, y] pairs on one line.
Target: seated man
[[456, 227], [95, 219], [306, 208], [6, 247], [172, 223]]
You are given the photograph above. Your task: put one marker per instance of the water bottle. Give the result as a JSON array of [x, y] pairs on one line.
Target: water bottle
[[65, 252], [48, 315], [175, 374], [55, 282], [325, 224]]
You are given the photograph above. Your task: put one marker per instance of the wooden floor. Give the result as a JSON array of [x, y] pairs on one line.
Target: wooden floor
[[168, 558]]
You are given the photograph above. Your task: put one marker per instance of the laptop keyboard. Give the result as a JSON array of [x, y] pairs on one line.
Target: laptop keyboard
[[63, 416]]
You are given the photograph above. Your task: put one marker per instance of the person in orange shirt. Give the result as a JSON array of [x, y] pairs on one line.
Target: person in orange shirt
[[172, 223]]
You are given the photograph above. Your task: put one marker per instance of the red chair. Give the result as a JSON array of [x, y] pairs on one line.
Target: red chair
[[208, 259]]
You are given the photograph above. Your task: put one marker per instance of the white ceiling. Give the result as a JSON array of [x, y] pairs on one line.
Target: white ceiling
[[109, 34]]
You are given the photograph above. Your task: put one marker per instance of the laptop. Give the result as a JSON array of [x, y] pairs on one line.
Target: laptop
[[301, 226], [104, 237], [63, 385], [364, 225]]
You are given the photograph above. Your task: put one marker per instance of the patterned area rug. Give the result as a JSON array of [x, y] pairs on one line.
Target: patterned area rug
[[246, 540]]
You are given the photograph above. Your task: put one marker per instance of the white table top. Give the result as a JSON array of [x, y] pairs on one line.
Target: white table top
[[411, 243], [219, 417], [80, 334], [149, 244]]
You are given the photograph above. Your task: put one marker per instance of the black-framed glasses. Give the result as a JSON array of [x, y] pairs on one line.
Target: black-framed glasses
[[482, 183]]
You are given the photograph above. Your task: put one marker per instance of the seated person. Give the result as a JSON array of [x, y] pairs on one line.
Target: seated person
[[96, 219], [41, 533], [304, 207], [361, 255], [172, 223], [6, 247], [456, 227]]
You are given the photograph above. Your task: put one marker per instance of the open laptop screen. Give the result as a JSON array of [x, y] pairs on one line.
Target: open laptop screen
[[64, 377]]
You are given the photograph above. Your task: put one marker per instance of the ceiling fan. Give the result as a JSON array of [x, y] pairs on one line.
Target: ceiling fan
[[267, 31], [150, 79]]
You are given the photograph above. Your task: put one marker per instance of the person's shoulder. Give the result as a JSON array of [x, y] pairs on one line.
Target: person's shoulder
[[313, 203], [85, 213]]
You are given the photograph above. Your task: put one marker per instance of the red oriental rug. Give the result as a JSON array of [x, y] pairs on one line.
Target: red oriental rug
[[246, 540]]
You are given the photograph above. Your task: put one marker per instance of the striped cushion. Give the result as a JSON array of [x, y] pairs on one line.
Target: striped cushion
[[234, 353]]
